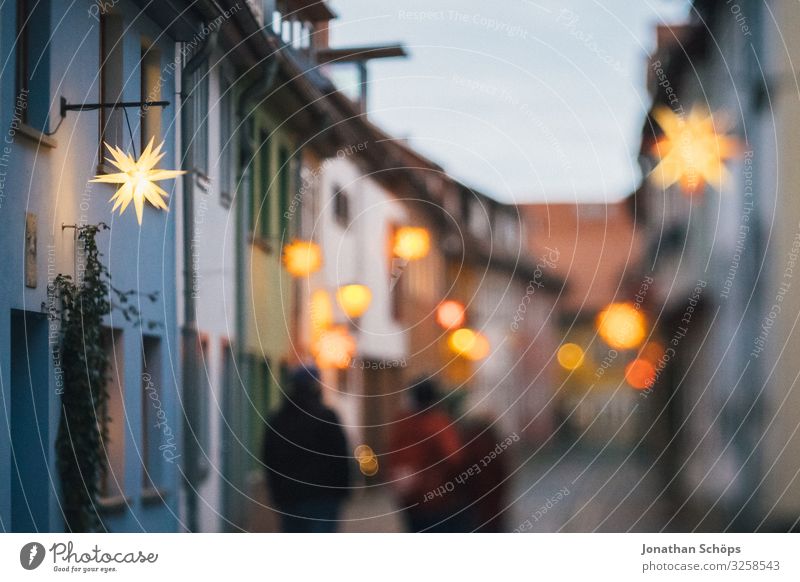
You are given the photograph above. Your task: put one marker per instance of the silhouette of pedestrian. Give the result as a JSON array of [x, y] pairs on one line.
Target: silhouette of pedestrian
[[483, 480], [422, 461], [306, 458]]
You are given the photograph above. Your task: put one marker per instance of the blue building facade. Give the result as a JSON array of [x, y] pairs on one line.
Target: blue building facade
[[91, 52]]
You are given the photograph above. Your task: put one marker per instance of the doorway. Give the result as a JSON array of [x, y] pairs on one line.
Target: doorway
[[30, 426]]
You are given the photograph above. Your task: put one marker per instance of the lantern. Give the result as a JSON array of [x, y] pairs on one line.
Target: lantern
[[450, 314], [354, 299], [137, 179], [301, 258], [621, 326], [411, 243]]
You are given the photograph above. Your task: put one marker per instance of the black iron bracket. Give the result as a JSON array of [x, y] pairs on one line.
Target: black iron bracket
[[115, 105]]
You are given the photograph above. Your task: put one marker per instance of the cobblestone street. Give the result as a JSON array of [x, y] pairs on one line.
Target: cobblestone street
[[583, 491]]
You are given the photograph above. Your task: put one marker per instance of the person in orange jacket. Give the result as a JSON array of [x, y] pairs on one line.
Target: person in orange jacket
[[423, 458]]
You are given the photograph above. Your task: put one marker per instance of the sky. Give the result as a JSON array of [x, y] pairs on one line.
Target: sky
[[527, 101]]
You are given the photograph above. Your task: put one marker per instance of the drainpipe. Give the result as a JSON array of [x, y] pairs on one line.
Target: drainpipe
[[261, 85], [189, 332]]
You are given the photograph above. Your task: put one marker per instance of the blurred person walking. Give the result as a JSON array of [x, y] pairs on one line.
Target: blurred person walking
[[424, 456], [306, 458], [484, 476]]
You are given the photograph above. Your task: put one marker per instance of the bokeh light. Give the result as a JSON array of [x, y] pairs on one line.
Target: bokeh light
[[411, 243], [367, 460], [451, 314], [622, 326], [302, 258], [640, 374], [321, 312], [354, 299], [469, 344], [335, 348], [570, 356]]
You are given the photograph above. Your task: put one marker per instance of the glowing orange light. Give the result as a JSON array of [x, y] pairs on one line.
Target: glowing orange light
[[354, 299], [335, 348], [363, 453], [367, 460], [469, 343], [570, 356], [450, 314], [622, 326], [640, 374], [301, 258], [369, 468], [321, 312], [691, 151], [411, 242]]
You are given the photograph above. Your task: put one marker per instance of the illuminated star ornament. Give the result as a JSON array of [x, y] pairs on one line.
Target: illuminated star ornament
[[137, 179], [691, 151]]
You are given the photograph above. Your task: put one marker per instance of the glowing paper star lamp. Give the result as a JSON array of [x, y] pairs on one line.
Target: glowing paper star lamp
[[570, 356], [469, 343], [411, 243], [640, 374], [354, 299], [335, 348], [621, 326], [450, 314], [137, 179], [691, 151], [301, 258]]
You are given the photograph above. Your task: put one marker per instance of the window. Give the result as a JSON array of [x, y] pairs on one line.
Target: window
[[261, 403], [226, 147], [111, 81], [341, 207], [158, 436], [199, 109], [32, 82], [397, 279], [113, 479], [150, 86], [306, 213], [196, 405], [261, 213], [284, 187], [203, 424]]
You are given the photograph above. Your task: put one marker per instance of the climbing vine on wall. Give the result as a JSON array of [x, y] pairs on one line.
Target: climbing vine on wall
[[81, 305]]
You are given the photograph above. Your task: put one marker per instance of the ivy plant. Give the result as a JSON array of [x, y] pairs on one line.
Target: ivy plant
[[82, 305]]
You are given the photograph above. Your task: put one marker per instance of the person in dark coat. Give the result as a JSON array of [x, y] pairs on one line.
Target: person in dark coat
[[306, 458], [486, 473]]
